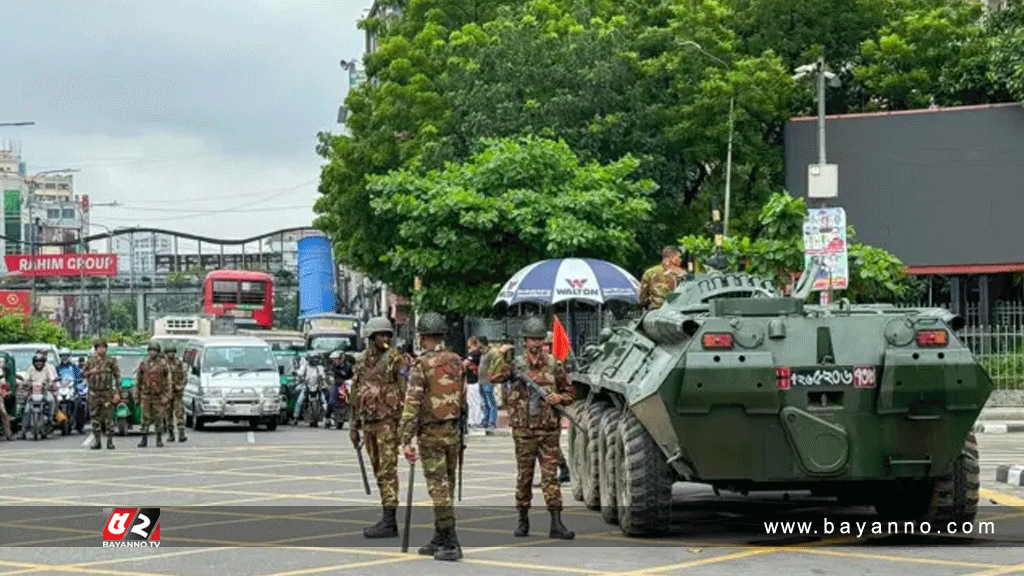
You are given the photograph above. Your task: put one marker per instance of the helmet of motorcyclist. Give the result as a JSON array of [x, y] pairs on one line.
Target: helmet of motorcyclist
[[336, 354], [64, 353], [377, 325], [39, 358]]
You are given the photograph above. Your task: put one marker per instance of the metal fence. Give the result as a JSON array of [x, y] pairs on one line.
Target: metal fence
[[1000, 349]]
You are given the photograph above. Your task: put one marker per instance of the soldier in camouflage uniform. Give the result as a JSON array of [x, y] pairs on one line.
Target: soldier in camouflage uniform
[[660, 280], [563, 466], [376, 394], [154, 381], [104, 378], [175, 408], [435, 412], [536, 427]]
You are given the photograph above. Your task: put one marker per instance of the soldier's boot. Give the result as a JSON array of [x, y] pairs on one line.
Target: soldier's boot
[[170, 434], [435, 542], [386, 528], [181, 435], [450, 550], [145, 441], [558, 530], [110, 441], [96, 442], [524, 523], [7, 429], [159, 439], [564, 476]]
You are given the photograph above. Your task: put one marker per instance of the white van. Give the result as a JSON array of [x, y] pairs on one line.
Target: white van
[[231, 378]]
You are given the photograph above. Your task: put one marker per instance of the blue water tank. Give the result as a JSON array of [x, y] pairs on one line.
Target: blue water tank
[[317, 287]]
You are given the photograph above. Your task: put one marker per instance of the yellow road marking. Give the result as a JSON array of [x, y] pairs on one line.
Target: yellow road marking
[[339, 567], [75, 568], [998, 571], [1001, 498]]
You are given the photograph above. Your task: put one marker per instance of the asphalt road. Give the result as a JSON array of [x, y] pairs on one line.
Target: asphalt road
[[297, 494]]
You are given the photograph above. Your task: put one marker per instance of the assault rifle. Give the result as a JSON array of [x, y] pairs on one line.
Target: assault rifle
[[522, 377]]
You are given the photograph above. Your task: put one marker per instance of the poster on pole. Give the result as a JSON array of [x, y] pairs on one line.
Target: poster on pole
[[825, 236]]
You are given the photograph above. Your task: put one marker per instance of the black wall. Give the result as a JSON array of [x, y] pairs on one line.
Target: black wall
[[942, 187]]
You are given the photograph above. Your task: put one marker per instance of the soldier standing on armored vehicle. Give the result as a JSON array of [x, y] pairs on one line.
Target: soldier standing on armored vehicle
[[660, 280], [154, 380], [175, 408], [104, 382], [435, 411], [536, 428], [378, 388]]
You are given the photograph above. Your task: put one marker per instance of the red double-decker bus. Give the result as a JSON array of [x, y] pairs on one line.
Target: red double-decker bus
[[243, 294]]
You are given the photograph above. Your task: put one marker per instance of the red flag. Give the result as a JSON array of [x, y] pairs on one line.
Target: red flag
[[559, 341]]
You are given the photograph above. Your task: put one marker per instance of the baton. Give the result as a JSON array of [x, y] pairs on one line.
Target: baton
[[362, 467], [408, 509]]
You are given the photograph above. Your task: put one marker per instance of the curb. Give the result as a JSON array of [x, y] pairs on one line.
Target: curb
[[999, 428], [1012, 475]]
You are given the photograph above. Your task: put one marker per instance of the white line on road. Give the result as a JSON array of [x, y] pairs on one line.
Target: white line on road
[[251, 437], [88, 439]]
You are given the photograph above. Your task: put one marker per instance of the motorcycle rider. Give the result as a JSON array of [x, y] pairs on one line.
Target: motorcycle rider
[[42, 372], [341, 370], [65, 366], [5, 391], [310, 371]]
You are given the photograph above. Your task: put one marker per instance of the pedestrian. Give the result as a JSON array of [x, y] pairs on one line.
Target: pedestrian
[[154, 380], [5, 391], [660, 280], [175, 409], [104, 377], [490, 403], [536, 427], [471, 368], [378, 389], [434, 412]]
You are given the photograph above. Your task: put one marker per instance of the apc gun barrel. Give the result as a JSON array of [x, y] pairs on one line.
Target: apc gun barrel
[[667, 326]]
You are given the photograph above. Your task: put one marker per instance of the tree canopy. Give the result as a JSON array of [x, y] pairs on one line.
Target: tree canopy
[[603, 85]]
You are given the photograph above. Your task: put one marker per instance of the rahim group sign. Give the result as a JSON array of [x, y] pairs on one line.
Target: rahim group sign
[[61, 264]]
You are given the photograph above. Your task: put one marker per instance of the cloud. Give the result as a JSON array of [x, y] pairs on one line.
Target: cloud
[[154, 101]]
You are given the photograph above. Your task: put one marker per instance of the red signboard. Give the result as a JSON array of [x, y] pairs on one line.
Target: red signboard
[[62, 264], [16, 301]]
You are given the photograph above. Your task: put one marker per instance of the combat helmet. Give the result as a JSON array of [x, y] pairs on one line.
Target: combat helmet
[[99, 342], [431, 323], [170, 349], [153, 346], [378, 324], [549, 338], [534, 328]]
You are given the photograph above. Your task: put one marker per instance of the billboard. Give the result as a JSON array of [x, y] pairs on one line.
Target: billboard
[[61, 264], [16, 302]]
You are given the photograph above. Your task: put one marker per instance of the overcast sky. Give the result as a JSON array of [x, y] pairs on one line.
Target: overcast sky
[[170, 107]]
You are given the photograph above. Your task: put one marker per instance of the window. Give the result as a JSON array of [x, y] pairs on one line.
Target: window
[[256, 358], [225, 292], [69, 213], [53, 213], [254, 293]]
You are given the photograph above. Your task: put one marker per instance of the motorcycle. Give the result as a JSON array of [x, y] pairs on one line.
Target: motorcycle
[[66, 406], [81, 405], [338, 411], [36, 413], [313, 406]]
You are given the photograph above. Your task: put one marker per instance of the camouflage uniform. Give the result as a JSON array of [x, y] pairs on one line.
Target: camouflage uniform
[[434, 412], [656, 283], [536, 427], [154, 380], [104, 381], [175, 409], [376, 393]]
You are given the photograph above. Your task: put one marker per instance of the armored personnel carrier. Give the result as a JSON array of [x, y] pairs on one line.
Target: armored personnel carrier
[[734, 385]]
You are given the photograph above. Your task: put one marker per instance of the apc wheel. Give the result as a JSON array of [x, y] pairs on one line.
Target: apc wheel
[[955, 496], [577, 452], [592, 455], [608, 434], [645, 496]]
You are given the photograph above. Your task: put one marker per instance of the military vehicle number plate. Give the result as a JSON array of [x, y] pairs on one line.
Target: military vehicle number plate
[[856, 376]]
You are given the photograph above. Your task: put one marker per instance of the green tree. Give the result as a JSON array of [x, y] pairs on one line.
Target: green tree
[[1005, 29], [777, 252], [468, 227]]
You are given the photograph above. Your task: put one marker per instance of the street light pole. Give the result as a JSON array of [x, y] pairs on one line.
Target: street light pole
[[728, 155], [821, 110], [110, 250]]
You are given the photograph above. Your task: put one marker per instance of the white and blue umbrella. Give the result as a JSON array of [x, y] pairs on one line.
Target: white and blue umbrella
[[564, 279]]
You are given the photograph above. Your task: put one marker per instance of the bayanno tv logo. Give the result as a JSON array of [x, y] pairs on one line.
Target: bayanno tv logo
[[132, 528]]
